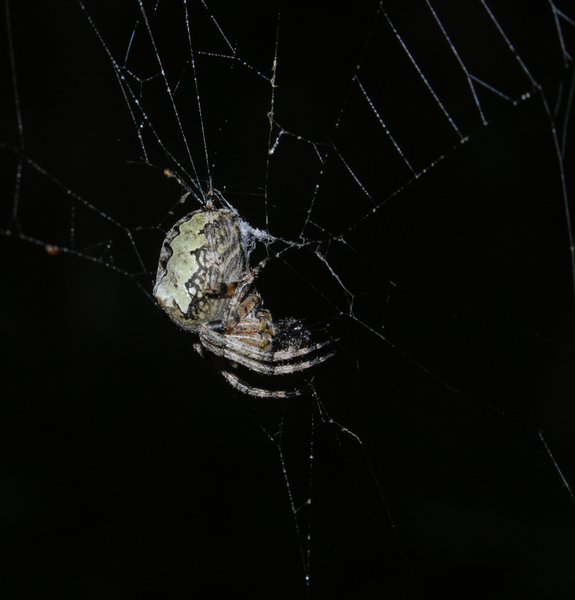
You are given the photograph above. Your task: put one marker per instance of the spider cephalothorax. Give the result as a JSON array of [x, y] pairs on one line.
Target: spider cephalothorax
[[205, 284]]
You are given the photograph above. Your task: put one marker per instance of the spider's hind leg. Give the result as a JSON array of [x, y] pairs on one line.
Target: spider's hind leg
[[246, 388]]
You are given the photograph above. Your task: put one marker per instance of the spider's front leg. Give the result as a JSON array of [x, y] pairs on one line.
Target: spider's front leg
[[245, 301], [249, 322]]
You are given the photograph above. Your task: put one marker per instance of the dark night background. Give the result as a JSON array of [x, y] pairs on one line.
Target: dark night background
[[129, 468]]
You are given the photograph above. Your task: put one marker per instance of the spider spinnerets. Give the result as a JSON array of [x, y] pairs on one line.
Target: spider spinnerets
[[206, 286]]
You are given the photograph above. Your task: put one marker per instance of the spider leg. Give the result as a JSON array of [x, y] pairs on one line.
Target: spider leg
[[224, 347], [290, 353], [245, 388], [238, 342], [236, 351], [247, 338]]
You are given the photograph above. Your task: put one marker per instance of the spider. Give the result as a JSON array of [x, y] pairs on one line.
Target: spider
[[206, 286]]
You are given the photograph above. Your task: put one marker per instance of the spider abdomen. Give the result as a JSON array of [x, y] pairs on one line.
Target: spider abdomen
[[202, 255]]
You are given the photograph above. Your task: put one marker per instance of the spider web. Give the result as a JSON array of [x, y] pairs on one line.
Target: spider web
[[413, 167]]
